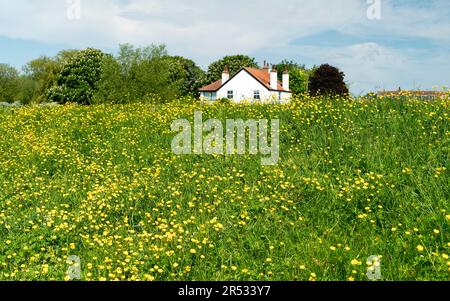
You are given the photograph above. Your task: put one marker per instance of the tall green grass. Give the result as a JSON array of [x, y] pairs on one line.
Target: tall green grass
[[356, 178]]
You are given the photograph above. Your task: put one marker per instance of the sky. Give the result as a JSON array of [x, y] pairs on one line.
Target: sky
[[378, 44]]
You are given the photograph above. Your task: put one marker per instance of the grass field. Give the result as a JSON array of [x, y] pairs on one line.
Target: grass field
[[355, 179]]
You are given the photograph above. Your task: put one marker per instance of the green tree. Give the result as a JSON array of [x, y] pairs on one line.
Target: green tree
[[27, 89], [112, 86], [152, 77], [40, 75], [288, 65], [186, 75], [129, 56], [298, 75], [234, 64], [78, 77], [299, 81], [65, 56], [328, 80], [137, 74], [9, 84]]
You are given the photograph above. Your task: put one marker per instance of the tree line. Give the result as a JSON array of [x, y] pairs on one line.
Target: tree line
[[134, 74]]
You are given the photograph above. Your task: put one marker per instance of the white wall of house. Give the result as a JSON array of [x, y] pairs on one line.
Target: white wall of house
[[242, 87]]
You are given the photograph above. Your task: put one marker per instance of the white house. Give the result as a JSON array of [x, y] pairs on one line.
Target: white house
[[249, 84]]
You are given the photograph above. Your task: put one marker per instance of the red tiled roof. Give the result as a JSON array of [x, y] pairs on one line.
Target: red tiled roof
[[212, 87], [263, 76]]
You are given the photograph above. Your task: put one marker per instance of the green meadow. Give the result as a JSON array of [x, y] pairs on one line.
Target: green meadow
[[356, 178]]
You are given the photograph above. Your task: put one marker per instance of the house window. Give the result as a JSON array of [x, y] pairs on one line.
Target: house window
[[230, 94], [210, 95], [256, 95]]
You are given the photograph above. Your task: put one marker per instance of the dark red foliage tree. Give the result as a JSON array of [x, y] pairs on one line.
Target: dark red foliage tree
[[327, 80]]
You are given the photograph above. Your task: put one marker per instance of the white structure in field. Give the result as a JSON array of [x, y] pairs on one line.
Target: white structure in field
[[249, 84]]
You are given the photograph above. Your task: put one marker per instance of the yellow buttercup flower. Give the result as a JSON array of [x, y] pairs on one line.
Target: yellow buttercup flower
[[101, 184]]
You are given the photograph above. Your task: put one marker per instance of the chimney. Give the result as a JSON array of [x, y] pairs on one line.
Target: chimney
[[286, 80], [266, 67], [274, 78], [225, 75]]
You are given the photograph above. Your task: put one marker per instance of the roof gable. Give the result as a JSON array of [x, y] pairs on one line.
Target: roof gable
[[264, 78]]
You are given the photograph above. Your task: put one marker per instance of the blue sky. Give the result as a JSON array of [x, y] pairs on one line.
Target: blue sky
[[408, 46]]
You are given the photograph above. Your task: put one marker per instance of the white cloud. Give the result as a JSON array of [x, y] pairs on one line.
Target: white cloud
[[370, 66], [210, 28]]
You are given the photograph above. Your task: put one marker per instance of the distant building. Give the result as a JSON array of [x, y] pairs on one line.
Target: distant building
[[249, 84], [425, 95]]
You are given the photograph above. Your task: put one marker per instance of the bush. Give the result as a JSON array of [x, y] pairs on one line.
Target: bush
[[28, 88], [224, 101], [327, 80], [9, 84]]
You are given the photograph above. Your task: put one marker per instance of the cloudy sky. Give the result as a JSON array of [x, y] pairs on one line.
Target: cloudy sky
[[398, 43]]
